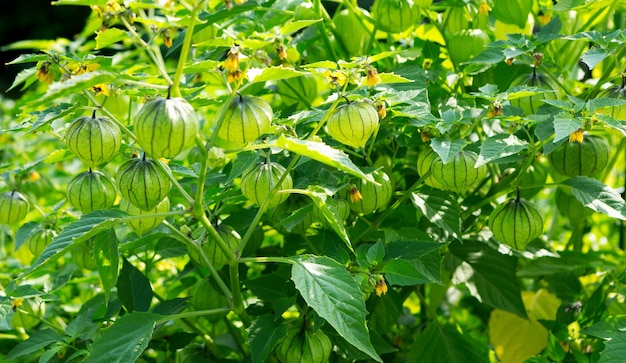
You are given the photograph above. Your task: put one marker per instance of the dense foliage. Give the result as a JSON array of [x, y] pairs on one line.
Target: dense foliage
[[228, 181]]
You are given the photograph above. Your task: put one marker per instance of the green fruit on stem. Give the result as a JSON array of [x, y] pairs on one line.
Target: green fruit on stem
[[38, 240], [586, 158], [304, 346], [95, 140], [395, 16], [206, 296], [372, 197], [166, 126], [353, 123], [83, 257], [512, 11], [467, 44], [353, 32], [13, 207], [516, 222], [143, 183], [425, 160], [458, 175], [211, 249], [456, 18], [258, 181], [535, 175], [91, 190], [619, 92], [530, 104], [337, 204], [245, 120], [144, 225], [570, 207]]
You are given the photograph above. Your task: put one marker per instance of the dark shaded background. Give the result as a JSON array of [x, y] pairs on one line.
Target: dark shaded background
[[33, 19]]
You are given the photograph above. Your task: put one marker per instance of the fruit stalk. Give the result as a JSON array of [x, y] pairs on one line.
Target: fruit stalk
[[184, 51]]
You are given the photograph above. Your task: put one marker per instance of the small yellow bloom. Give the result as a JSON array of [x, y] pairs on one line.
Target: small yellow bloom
[[101, 89], [282, 52], [235, 76], [484, 8], [228, 4], [372, 77], [355, 195], [537, 58], [167, 38], [239, 2], [381, 287], [336, 77], [16, 303], [576, 136], [44, 73], [114, 6], [427, 63], [544, 18], [381, 108], [509, 61], [232, 59], [495, 110], [33, 176], [425, 136]]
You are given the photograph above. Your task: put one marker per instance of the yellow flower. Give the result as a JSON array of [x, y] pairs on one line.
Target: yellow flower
[[44, 73], [381, 108], [484, 8], [80, 68], [167, 38], [232, 59], [239, 2], [282, 52], [381, 287], [355, 195], [544, 18], [114, 6], [576, 136], [33, 176], [372, 77], [16, 303], [336, 77], [235, 76], [101, 88]]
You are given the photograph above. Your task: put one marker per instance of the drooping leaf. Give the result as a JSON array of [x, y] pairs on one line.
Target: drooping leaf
[[330, 290], [564, 125], [125, 340], [329, 209], [498, 147], [405, 272], [597, 196], [106, 254], [87, 226], [491, 273], [263, 334], [440, 209], [38, 340], [272, 74], [133, 288], [596, 55], [323, 153], [445, 344], [445, 148], [109, 36]]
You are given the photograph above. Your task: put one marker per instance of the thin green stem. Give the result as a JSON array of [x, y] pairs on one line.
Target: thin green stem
[[318, 9], [184, 51], [235, 286], [160, 66], [174, 181]]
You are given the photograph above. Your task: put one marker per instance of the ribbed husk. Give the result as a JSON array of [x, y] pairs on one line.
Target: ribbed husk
[[144, 225], [353, 123], [245, 120], [257, 182], [13, 207], [580, 159], [94, 140], [91, 190], [143, 183], [516, 222]]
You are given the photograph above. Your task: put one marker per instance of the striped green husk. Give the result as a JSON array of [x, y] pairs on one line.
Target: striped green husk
[[353, 123], [257, 182], [13, 207], [580, 159], [166, 126], [425, 161], [213, 252], [516, 222], [531, 104], [143, 225], [395, 16], [143, 183], [374, 196], [459, 174], [304, 347], [245, 120], [91, 190], [95, 140]]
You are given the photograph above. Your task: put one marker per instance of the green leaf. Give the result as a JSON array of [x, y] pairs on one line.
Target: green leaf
[[272, 74], [404, 272], [105, 248], [330, 290], [440, 209], [619, 125], [445, 344], [410, 249], [26, 231], [323, 153], [564, 125], [294, 26], [88, 226], [50, 114], [499, 147], [24, 76], [74, 85], [133, 288], [38, 340], [596, 55], [29, 58], [109, 36], [263, 335], [597, 196], [386, 78], [446, 149], [324, 202], [125, 340], [492, 274]]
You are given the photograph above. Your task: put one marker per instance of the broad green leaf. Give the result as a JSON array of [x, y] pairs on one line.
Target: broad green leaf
[[446, 149], [26, 76], [44, 117], [409, 249], [596, 55], [323, 153], [597, 196], [88, 226], [498, 147], [445, 344], [618, 125], [515, 338], [29, 58], [133, 288], [109, 36], [386, 78], [24, 233], [564, 125], [404, 272], [125, 340], [440, 209], [492, 274], [74, 85], [329, 209], [294, 26], [263, 335], [38, 340], [614, 349], [330, 290], [105, 248], [272, 74], [321, 64]]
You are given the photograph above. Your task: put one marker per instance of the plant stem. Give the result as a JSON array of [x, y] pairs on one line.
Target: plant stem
[[174, 181], [184, 51]]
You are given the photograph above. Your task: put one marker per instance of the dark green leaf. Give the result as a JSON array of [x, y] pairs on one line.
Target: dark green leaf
[[105, 249], [403, 272], [498, 147], [330, 290], [445, 344], [446, 149], [329, 209], [564, 125], [133, 288], [596, 55], [597, 196], [38, 340], [409, 250], [263, 335], [440, 209]]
